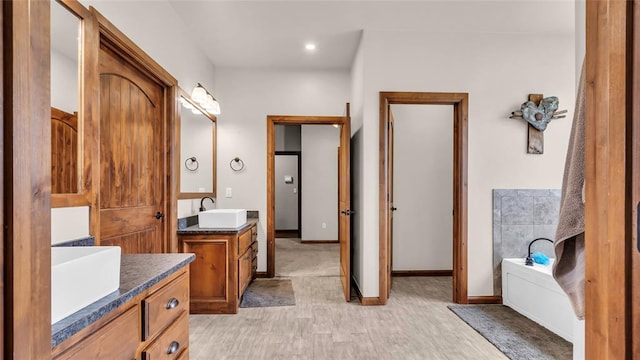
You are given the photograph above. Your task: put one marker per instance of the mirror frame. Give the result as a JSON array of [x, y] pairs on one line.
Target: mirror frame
[[88, 115], [214, 119]]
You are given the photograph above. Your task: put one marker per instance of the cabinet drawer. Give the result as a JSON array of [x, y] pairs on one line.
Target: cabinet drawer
[[163, 306], [172, 343], [119, 339], [184, 355], [245, 241]]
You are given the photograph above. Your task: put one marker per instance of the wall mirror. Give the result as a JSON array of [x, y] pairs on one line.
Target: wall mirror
[[73, 70], [197, 157], [65, 54]]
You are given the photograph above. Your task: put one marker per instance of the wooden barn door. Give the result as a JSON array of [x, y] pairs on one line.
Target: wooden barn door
[[132, 181]]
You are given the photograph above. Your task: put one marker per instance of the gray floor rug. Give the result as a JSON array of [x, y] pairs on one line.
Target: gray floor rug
[[267, 293], [515, 335]]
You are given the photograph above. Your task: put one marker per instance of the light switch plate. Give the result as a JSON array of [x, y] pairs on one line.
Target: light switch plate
[[228, 192]]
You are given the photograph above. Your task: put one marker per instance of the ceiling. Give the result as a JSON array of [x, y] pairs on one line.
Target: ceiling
[[272, 34]]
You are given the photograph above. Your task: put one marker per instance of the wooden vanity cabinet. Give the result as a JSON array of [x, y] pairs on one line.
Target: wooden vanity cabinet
[[153, 325], [225, 265]]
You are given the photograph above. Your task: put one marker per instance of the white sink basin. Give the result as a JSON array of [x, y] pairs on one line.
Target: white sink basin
[[80, 276], [222, 218]]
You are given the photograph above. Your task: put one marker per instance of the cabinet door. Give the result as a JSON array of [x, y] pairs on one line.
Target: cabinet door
[[119, 339], [244, 272], [209, 272]]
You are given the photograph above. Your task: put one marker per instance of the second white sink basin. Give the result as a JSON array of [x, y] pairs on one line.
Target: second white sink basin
[[222, 218], [80, 276]]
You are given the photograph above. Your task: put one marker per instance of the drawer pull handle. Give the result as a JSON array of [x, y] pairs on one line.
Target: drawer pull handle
[[173, 348], [172, 304]]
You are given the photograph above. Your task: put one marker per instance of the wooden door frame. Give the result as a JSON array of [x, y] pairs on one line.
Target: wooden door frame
[[26, 198], [460, 102], [117, 41], [298, 154], [609, 211], [272, 121]]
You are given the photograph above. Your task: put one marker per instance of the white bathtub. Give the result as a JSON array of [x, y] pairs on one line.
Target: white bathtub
[[533, 292]]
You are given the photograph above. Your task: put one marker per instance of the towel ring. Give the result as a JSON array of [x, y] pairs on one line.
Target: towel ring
[[239, 164], [191, 164]]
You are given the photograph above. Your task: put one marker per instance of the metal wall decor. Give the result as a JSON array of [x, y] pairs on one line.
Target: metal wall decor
[[538, 111]]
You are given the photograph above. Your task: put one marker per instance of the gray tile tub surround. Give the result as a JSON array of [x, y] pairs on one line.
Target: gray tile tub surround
[[138, 272], [520, 216]]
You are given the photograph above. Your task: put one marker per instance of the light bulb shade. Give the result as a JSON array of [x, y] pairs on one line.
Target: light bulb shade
[[208, 102], [199, 94], [215, 110]]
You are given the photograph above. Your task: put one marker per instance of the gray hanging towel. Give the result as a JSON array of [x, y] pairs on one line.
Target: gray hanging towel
[[568, 269]]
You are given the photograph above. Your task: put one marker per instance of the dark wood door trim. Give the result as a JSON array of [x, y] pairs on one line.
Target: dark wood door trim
[[460, 103], [298, 154], [26, 169], [634, 248], [117, 41], [272, 121], [608, 219]]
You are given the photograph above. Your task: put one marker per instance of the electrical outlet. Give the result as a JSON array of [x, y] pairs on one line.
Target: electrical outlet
[[324, 225], [228, 192]]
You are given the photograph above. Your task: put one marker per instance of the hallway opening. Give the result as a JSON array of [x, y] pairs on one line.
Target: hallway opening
[[422, 221], [340, 208], [459, 101]]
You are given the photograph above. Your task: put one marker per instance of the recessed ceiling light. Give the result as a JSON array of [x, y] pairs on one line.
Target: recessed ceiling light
[[310, 46]]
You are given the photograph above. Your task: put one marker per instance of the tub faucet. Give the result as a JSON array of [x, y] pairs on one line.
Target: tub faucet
[[529, 261], [202, 208]]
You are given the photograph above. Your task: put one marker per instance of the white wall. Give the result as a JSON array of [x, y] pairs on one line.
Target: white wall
[[498, 71], [581, 35], [158, 30], [423, 187], [286, 194], [64, 82], [320, 182], [242, 128]]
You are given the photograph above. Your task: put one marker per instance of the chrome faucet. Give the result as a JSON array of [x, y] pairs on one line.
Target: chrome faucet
[[202, 208], [529, 261]]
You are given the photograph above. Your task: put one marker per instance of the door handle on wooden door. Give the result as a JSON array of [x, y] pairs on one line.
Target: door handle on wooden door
[[159, 215]]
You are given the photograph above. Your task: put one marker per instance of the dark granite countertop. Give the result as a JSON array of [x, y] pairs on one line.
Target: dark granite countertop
[[138, 272], [195, 230]]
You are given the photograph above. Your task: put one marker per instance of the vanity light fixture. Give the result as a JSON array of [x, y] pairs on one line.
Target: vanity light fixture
[[310, 46], [203, 97]]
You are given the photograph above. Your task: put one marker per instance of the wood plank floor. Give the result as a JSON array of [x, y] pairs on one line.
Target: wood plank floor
[[415, 324]]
